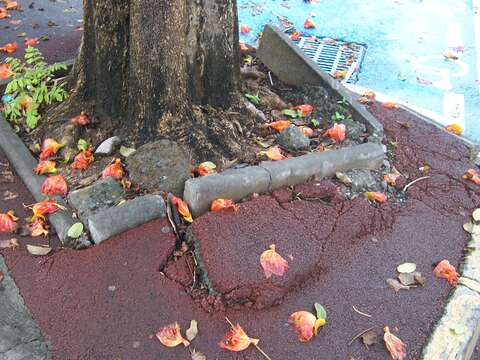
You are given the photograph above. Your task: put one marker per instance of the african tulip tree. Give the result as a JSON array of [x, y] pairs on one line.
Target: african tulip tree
[[143, 64]]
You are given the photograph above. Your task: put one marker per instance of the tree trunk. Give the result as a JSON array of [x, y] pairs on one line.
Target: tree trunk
[[144, 63]]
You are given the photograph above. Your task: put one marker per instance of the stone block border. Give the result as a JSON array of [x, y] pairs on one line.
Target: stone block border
[[238, 183], [457, 332], [293, 67]]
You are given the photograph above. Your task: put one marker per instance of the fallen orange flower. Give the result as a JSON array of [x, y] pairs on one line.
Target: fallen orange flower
[[296, 36], [336, 132], [4, 13], [446, 271], [340, 74], [308, 132], [455, 129], [8, 222], [472, 175], [390, 105], [391, 178], [45, 207], [31, 42], [114, 170], [237, 340], [11, 5], [81, 119], [45, 167], [205, 168], [5, 71], [182, 208], [243, 46], [305, 109], [244, 29], [376, 196], [37, 228], [279, 125], [49, 148], [223, 204], [395, 346], [274, 153], [367, 98], [83, 160], [54, 185], [170, 336], [305, 325], [308, 24], [273, 263], [9, 48]]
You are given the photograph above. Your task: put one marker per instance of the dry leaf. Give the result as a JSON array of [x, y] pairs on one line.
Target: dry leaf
[[9, 195], [9, 244], [37, 228], [2, 276], [273, 263], [192, 331], [38, 250], [197, 355], [170, 336], [369, 338], [396, 347], [396, 285]]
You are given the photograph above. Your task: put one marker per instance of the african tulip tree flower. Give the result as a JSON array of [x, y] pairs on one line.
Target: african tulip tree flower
[[8, 222], [395, 346], [305, 325], [273, 263], [170, 336]]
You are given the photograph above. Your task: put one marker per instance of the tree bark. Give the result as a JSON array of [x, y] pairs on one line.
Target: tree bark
[[144, 63]]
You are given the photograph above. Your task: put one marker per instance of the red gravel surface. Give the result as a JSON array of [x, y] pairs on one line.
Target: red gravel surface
[[107, 302]]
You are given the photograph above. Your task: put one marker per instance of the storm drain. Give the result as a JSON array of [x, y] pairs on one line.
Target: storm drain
[[341, 60]]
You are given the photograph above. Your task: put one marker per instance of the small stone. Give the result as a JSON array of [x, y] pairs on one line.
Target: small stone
[[112, 288], [293, 138], [160, 166], [108, 146], [407, 279], [165, 230], [354, 129], [420, 280], [475, 155], [344, 179], [136, 344], [476, 215], [362, 180]]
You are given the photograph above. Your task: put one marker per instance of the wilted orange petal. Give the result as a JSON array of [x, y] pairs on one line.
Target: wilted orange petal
[[446, 271], [114, 170], [308, 132], [223, 204], [274, 153], [4, 13], [472, 175], [9, 48], [236, 340], [31, 42], [243, 46], [5, 71], [308, 24], [182, 208], [49, 148], [337, 132], [391, 178], [303, 323], [244, 29], [273, 263], [54, 185], [45, 167], [279, 125], [296, 36], [81, 119], [11, 5], [170, 336], [45, 207], [455, 129], [376, 196], [8, 222], [395, 346], [83, 160], [37, 228], [367, 98], [205, 168], [390, 105], [305, 109]]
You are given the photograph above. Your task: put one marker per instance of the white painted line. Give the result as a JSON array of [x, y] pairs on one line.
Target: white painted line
[[476, 22], [454, 35]]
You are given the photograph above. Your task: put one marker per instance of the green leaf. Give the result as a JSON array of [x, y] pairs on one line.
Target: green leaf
[[292, 113], [82, 144], [75, 230], [254, 99], [126, 152], [321, 312], [315, 122]]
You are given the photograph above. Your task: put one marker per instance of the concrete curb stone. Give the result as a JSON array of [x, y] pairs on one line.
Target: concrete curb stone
[[236, 184]]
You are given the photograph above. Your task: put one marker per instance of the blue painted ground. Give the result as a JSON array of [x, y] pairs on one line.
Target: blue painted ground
[[405, 40]]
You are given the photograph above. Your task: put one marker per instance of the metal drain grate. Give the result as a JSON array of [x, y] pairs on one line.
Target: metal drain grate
[[333, 56]]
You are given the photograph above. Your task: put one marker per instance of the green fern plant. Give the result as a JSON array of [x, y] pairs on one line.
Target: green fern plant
[[33, 87]]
